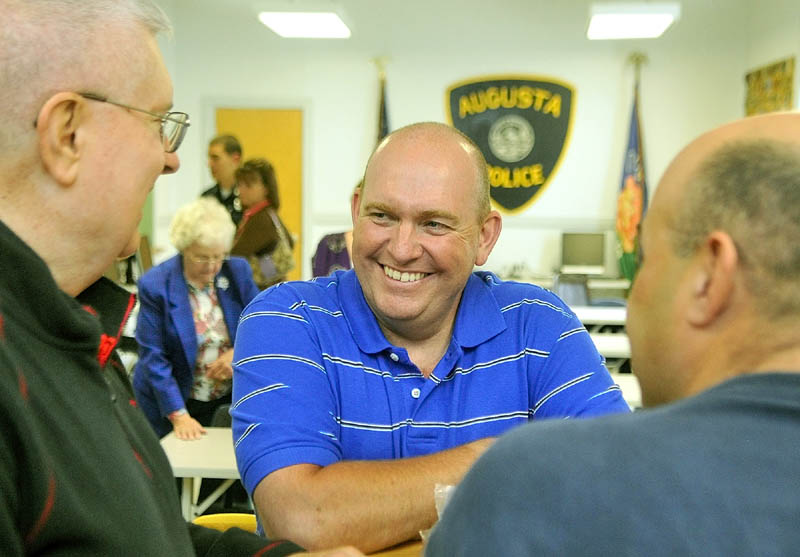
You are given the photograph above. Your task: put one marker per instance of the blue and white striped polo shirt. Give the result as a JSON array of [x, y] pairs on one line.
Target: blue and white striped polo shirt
[[316, 381]]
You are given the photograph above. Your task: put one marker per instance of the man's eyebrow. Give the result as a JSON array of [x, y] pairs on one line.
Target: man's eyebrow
[[433, 214], [438, 215], [376, 206]]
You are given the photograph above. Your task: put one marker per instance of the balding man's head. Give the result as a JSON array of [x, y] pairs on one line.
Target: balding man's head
[[420, 225], [716, 294], [438, 137], [744, 178]]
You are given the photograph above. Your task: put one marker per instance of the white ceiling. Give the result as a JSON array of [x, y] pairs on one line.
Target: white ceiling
[[383, 25]]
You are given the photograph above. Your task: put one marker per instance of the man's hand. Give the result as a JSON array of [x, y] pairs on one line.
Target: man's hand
[[221, 368], [187, 428]]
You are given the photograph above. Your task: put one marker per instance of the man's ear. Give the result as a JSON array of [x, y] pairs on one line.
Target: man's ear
[[489, 233], [712, 278], [355, 204], [57, 126]]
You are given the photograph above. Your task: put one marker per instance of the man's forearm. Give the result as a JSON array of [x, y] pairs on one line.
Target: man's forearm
[[368, 504]]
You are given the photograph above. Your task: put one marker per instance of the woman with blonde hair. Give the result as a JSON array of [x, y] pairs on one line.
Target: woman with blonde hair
[[190, 306]]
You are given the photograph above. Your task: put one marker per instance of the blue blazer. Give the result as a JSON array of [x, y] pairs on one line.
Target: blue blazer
[[165, 332]]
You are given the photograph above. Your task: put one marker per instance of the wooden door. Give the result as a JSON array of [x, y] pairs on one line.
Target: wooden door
[[276, 135]]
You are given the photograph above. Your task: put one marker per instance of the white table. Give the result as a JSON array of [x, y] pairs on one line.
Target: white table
[[209, 457], [600, 315], [612, 345], [593, 283]]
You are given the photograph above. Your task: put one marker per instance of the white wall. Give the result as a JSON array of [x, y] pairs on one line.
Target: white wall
[[774, 34], [694, 80]]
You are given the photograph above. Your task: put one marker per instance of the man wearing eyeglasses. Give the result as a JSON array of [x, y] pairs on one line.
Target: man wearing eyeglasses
[[87, 128]]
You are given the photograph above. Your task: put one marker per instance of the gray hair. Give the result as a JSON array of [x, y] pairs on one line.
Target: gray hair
[[47, 46], [751, 190], [205, 222]]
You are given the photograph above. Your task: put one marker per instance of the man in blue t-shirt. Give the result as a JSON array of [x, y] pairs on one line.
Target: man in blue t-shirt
[[355, 394]]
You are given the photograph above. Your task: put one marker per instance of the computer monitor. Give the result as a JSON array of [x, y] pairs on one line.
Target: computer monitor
[[584, 253]]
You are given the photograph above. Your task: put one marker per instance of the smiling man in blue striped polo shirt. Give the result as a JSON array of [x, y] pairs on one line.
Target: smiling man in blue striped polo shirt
[[355, 394]]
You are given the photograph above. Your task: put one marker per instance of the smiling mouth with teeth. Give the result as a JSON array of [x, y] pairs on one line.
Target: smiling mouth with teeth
[[403, 277]]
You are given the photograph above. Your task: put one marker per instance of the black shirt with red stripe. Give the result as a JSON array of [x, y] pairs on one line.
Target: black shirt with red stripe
[[81, 471]]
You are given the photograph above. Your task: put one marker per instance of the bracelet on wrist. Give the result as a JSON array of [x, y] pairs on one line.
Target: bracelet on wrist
[[176, 414]]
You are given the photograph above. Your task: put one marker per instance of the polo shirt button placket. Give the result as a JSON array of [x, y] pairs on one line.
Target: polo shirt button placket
[[394, 357], [415, 392]]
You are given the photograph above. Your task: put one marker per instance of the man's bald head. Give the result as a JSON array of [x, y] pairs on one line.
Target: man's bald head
[[438, 136], [744, 179]]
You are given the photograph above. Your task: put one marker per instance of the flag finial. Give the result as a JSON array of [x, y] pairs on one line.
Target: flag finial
[[637, 59], [380, 63]]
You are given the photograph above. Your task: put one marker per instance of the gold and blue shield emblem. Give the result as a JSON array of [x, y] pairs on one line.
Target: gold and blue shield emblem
[[521, 124]]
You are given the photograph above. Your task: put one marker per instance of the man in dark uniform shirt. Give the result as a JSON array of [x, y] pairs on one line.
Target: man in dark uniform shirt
[[224, 157]]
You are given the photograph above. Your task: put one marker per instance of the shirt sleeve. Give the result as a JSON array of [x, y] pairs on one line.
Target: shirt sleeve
[[284, 406], [154, 363], [237, 542], [243, 274], [574, 381]]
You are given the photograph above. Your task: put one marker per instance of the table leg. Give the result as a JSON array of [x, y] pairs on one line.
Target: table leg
[[186, 498], [201, 506]]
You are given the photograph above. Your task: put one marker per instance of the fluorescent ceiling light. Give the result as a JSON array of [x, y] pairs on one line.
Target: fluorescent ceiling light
[[309, 25], [643, 20]]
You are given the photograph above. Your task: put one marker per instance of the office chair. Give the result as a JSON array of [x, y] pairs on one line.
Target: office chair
[[223, 521], [222, 416], [573, 289]]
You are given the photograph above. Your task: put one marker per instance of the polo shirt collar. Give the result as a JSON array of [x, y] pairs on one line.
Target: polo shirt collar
[[478, 318], [362, 322]]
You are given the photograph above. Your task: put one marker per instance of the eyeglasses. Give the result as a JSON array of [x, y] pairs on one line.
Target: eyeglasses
[[206, 260], [173, 124]]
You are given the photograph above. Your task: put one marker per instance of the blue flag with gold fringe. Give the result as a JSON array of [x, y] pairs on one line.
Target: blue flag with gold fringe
[[632, 198]]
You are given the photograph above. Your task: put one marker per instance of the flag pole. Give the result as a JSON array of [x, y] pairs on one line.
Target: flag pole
[[383, 123], [632, 197], [638, 59]]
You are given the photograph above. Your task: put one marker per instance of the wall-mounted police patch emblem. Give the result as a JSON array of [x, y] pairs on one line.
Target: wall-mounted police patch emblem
[[522, 126]]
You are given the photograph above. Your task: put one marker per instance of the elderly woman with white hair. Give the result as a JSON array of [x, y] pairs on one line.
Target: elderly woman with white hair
[[190, 305]]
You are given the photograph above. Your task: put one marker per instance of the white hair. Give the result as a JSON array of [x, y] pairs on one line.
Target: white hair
[[47, 46], [203, 221]]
